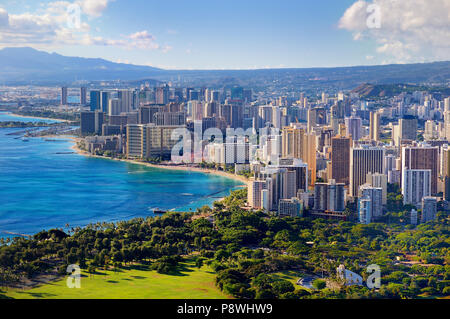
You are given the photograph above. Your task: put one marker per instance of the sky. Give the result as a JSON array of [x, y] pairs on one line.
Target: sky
[[233, 34]]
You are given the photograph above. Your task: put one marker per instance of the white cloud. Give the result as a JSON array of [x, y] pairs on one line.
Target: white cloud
[[143, 40], [410, 31], [93, 8], [49, 28]]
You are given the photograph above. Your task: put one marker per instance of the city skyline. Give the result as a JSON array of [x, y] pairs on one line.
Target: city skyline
[[252, 150], [232, 35]]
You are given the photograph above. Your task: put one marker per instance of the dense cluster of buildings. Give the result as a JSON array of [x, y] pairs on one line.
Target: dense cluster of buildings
[[309, 154]]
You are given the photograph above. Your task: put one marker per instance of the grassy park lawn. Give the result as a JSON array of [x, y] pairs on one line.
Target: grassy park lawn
[[133, 282]]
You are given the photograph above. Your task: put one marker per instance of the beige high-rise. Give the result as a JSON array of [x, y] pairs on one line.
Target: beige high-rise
[[375, 124], [296, 143]]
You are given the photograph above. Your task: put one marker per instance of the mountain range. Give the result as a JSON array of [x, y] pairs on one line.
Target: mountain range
[[29, 66]]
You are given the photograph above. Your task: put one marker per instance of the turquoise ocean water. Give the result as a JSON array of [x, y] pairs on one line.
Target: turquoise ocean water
[[43, 186]]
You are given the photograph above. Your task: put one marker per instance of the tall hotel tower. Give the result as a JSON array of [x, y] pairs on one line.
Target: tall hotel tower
[[364, 160], [422, 157]]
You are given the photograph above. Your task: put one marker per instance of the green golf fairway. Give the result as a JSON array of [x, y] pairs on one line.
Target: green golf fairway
[[134, 282]]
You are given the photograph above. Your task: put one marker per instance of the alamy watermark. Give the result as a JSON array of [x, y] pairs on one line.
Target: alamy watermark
[[238, 146], [373, 20], [373, 280], [74, 16], [74, 278]]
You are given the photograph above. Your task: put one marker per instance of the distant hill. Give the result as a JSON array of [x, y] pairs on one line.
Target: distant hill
[[316, 80], [28, 65], [373, 91]]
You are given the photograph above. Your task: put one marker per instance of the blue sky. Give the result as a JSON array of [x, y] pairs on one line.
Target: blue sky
[[231, 34]]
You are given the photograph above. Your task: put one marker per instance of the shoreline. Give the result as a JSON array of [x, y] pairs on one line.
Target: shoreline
[[161, 166], [75, 148], [38, 118]]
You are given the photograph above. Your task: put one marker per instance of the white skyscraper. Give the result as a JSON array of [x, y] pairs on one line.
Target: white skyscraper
[[375, 195], [416, 184], [365, 210]]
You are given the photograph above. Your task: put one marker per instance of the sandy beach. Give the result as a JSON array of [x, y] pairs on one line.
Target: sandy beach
[[75, 148], [40, 118]]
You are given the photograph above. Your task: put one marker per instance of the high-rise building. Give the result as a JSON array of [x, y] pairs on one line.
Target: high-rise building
[[170, 118], [255, 188], [380, 181], [99, 116], [375, 194], [215, 96], [193, 95], [108, 129], [416, 184], [354, 127], [364, 160], [408, 128], [431, 130], [276, 117], [265, 114], [284, 180], [95, 100], [126, 100], [375, 126], [389, 163], [429, 209], [237, 113], [114, 107], [136, 99], [150, 141], [237, 93], [329, 196], [445, 171], [64, 95], [291, 142], [162, 95], [340, 159], [394, 177], [447, 104], [365, 210], [104, 101], [83, 95], [296, 143], [197, 110], [422, 157], [146, 113], [414, 216], [248, 95], [179, 96], [87, 123], [210, 108], [316, 116], [290, 207]]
